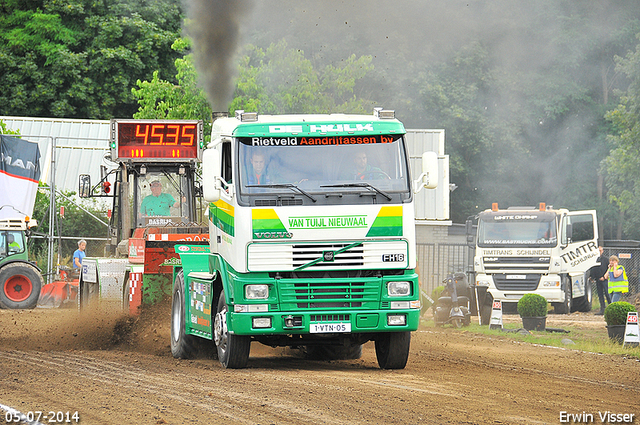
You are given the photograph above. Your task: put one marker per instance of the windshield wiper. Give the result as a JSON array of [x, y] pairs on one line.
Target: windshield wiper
[[287, 185], [363, 184]]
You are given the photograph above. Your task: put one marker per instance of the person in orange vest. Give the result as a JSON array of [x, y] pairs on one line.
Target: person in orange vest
[[618, 282]]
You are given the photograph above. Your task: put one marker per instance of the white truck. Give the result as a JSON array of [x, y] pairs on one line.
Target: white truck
[[312, 240], [541, 250]]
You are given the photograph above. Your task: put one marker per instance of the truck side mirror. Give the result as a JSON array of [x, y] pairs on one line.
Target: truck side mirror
[[211, 186], [468, 226], [429, 177], [84, 186], [430, 170]]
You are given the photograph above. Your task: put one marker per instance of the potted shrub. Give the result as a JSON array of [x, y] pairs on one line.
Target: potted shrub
[[616, 317], [533, 310]]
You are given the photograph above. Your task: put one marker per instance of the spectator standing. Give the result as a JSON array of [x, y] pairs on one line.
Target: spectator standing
[[600, 275], [79, 254], [618, 282]]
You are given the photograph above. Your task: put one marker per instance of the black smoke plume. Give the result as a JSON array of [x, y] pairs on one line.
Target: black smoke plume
[[214, 27]]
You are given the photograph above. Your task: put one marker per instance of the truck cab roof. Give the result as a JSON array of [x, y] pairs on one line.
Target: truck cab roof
[[302, 124]]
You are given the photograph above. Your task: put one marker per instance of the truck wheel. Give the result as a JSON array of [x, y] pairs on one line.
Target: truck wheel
[[233, 350], [20, 285], [392, 349], [565, 307], [584, 302], [183, 346], [485, 314]]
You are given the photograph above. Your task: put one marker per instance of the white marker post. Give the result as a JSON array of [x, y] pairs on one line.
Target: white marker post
[[632, 330], [496, 315]]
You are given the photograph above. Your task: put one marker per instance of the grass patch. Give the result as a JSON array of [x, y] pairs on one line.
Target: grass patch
[[589, 340]]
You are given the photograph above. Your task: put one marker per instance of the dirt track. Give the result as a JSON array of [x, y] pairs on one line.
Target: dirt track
[[58, 360]]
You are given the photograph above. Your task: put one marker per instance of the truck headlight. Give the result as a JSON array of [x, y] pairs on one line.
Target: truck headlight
[[482, 283], [399, 289], [256, 292], [396, 320]]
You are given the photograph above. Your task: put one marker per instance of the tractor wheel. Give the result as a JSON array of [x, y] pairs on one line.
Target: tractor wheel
[[392, 349], [20, 285], [233, 350]]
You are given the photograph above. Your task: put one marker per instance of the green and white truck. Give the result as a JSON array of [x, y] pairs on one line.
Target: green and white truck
[[312, 240]]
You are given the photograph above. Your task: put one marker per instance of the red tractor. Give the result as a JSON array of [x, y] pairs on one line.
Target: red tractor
[[154, 208]]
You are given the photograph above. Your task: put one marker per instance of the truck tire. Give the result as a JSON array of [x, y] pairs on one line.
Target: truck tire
[[392, 349], [20, 285], [233, 350], [485, 313], [584, 303], [565, 307], [183, 346]]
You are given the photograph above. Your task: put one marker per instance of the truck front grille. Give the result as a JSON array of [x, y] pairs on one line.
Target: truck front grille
[[328, 294], [513, 282], [515, 264], [286, 257]]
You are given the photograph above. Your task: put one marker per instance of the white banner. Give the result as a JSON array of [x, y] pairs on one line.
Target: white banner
[[19, 176]]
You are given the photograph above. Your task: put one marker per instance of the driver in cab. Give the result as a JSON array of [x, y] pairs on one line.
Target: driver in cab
[[365, 171], [158, 203]]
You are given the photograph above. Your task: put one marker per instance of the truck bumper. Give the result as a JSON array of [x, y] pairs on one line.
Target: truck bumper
[[324, 322], [549, 287]]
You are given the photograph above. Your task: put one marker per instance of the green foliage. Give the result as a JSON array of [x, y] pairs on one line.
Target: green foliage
[[282, 80], [76, 224], [622, 166], [437, 292], [532, 305], [160, 99], [5, 130], [80, 58], [616, 313]]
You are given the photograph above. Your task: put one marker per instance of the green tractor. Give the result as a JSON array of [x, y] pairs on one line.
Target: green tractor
[[20, 279]]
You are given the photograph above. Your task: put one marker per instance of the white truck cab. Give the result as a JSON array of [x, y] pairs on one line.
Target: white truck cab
[[541, 250]]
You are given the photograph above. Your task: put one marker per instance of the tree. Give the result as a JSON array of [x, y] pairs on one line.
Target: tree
[[76, 223], [280, 80], [80, 58], [622, 166], [160, 99]]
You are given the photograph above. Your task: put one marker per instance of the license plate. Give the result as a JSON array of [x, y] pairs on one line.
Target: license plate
[[323, 328]]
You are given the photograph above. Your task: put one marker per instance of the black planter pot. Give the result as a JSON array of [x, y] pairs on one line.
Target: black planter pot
[[534, 323], [616, 333]]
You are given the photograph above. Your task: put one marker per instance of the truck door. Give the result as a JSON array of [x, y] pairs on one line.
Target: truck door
[[578, 241]]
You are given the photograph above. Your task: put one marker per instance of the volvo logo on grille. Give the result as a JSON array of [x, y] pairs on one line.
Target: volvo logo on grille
[[328, 255]]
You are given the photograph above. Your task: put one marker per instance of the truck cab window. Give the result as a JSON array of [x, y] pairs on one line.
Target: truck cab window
[[582, 228]]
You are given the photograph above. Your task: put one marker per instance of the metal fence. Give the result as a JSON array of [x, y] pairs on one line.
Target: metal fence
[[436, 261], [630, 260]]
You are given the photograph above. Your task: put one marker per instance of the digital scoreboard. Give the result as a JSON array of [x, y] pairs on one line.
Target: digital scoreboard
[[156, 140]]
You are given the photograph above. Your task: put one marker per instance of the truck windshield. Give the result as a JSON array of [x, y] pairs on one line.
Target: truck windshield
[[525, 230], [325, 168]]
